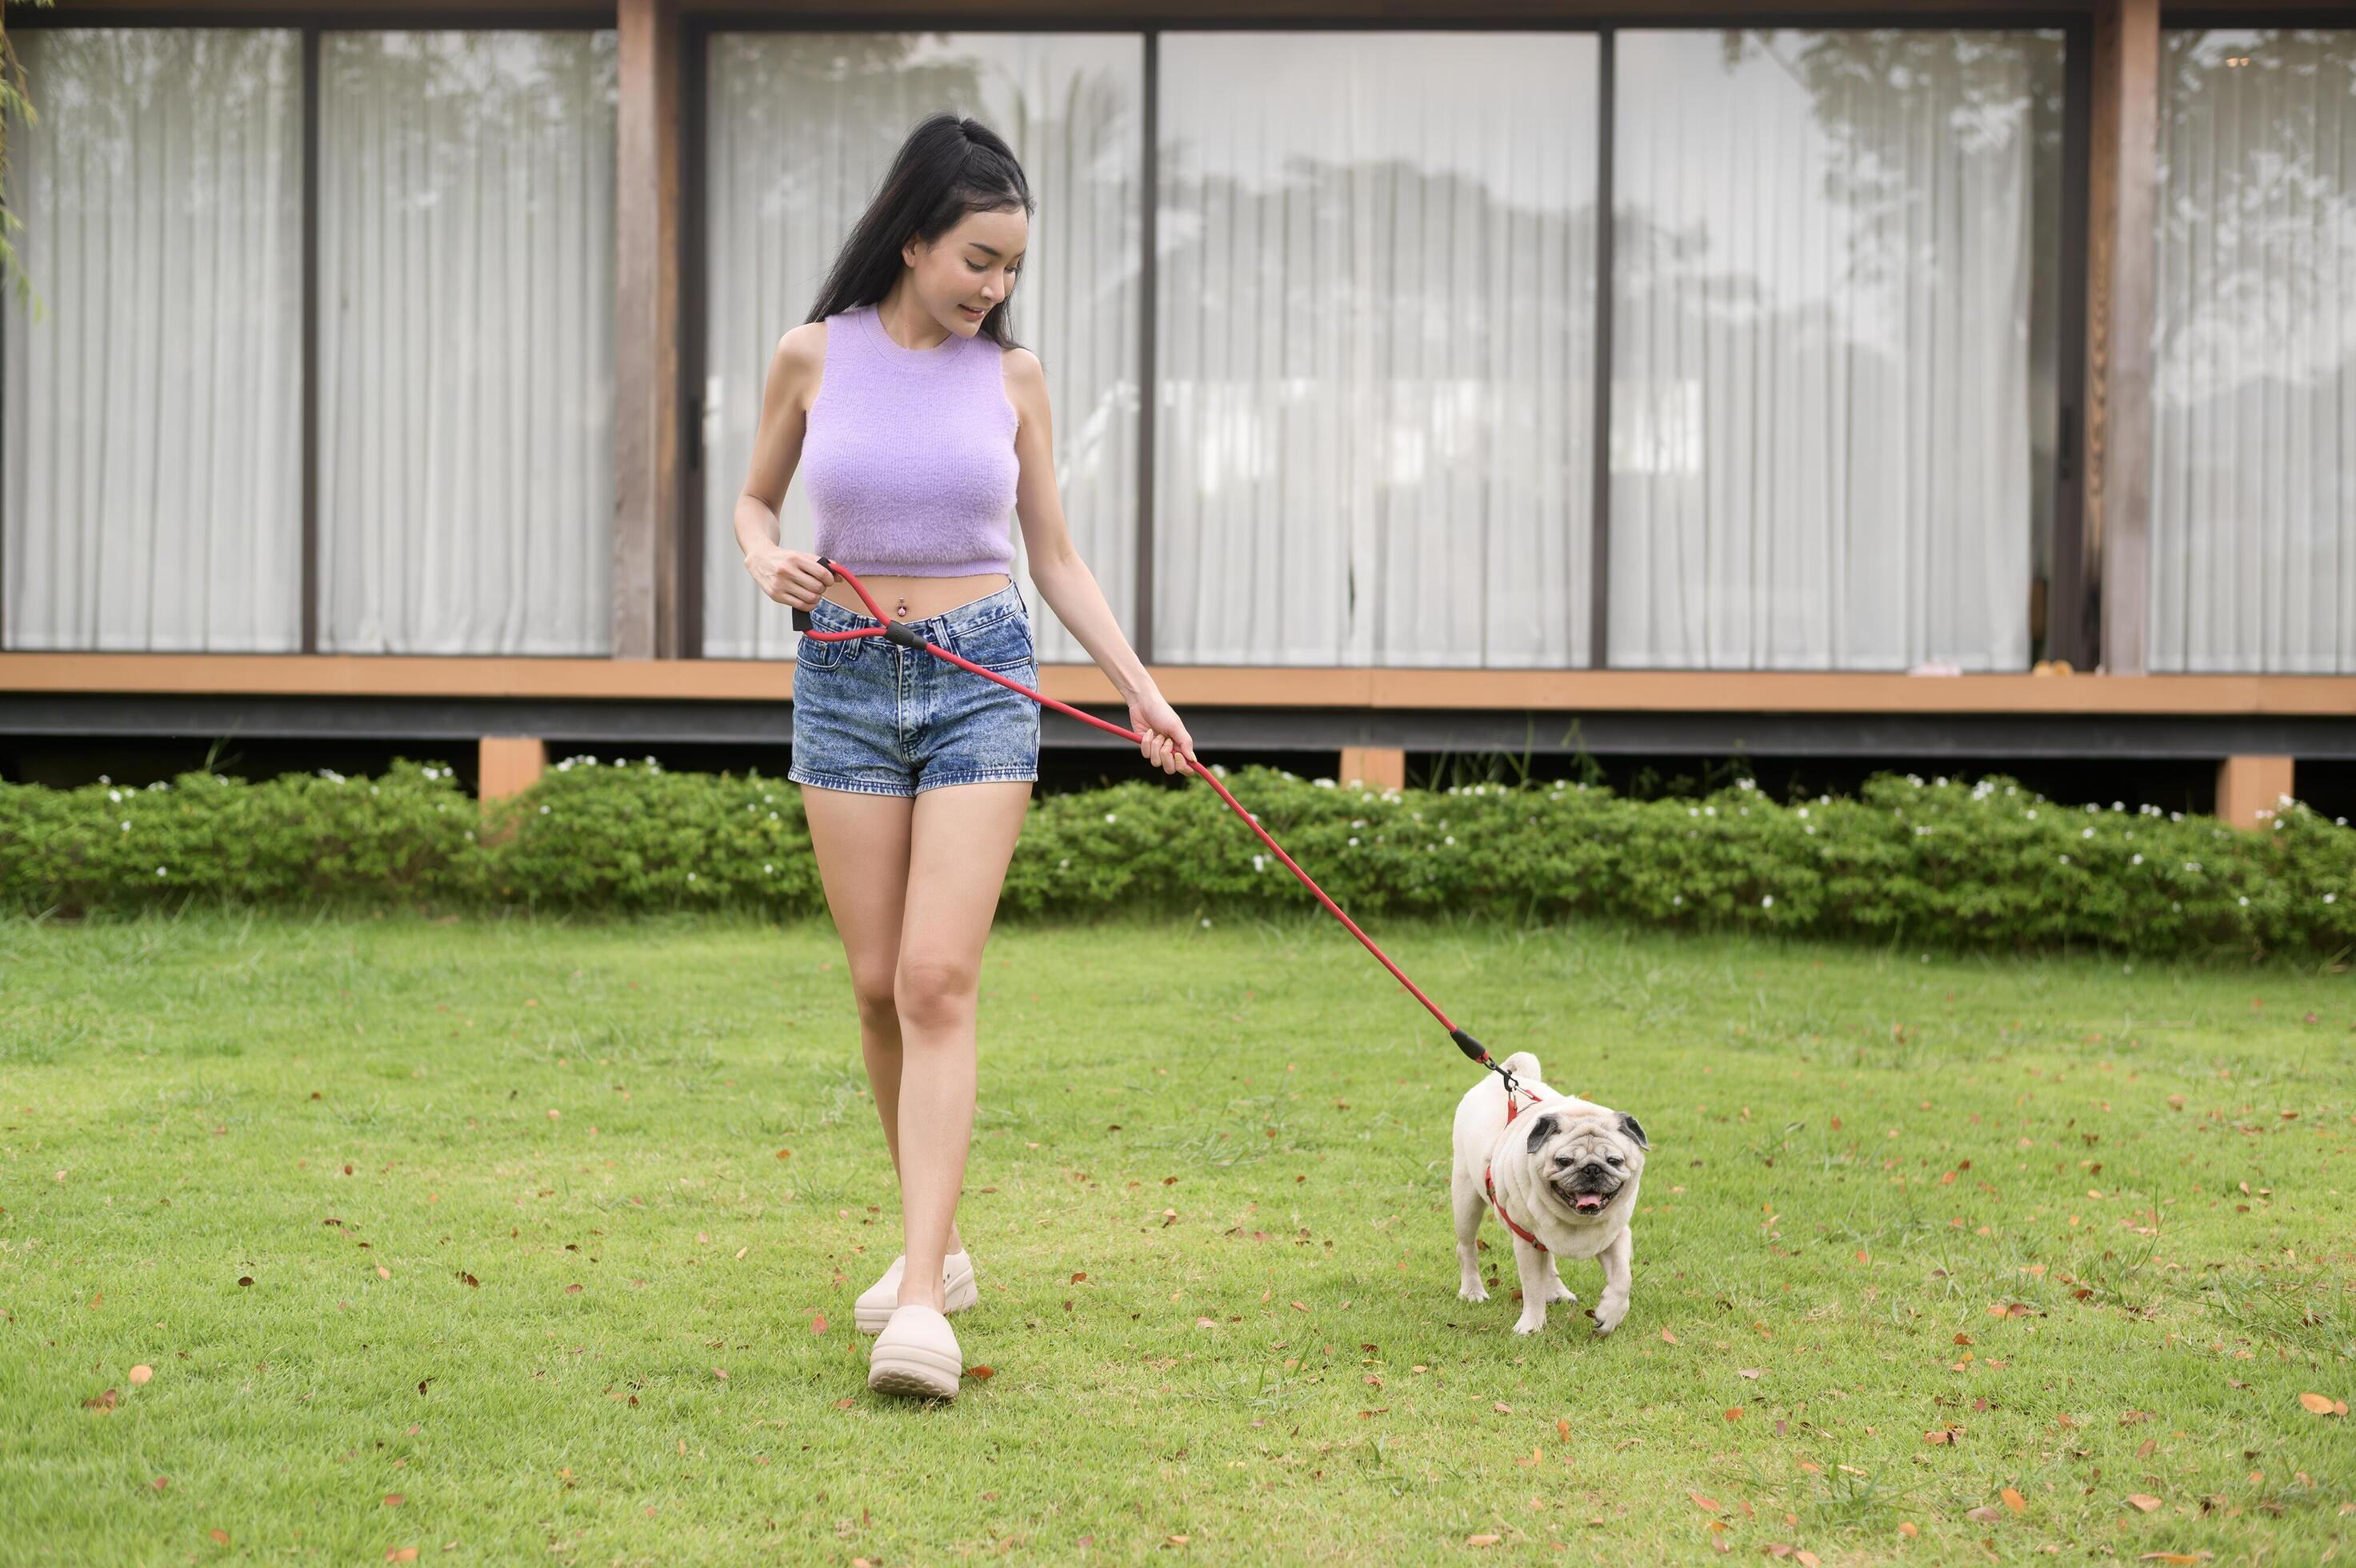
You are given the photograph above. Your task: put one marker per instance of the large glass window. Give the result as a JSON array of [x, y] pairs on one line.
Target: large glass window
[[1832, 389], [2254, 429], [800, 128], [466, 342], [153, 433], [1376, 286]]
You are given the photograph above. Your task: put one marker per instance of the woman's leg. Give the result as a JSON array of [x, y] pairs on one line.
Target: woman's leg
[[961, 837], [862, 844]]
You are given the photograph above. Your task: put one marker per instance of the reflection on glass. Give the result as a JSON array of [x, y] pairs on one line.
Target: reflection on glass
[[800, 128], [2253, 430], [466, 342], [152, 499], [1832, 392], [1376, 305]]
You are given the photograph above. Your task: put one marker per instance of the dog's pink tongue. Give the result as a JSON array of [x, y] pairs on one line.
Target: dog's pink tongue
[[1589, 1200]]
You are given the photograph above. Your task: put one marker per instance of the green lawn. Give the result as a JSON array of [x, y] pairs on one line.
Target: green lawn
[[513, 1241]]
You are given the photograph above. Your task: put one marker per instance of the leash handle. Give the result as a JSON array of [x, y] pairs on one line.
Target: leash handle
[[897, 632]]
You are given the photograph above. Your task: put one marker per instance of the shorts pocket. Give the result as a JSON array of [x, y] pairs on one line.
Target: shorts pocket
[[820, 653], [1003, 644]]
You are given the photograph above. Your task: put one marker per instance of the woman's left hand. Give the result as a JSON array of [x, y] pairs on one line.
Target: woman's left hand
[[1166, 744]]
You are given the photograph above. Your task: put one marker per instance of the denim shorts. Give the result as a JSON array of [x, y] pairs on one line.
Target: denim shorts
[[874, 716]]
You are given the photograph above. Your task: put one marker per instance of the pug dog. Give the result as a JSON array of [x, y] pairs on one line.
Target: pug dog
[[1565, 1170]]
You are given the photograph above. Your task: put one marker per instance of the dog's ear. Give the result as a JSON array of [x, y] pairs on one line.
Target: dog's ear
[[1539, 1134], [1634, 1129]]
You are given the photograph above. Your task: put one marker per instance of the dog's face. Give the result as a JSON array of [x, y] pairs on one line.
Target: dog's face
[[1587, 1157]]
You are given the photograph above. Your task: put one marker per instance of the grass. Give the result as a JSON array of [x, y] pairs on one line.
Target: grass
[[541, 1222]]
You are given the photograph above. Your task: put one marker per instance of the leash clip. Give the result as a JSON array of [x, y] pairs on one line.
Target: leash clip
[[1480, 1053]]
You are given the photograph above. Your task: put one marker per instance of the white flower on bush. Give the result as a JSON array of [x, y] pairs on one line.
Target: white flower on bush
[[2085, 833], [126, 827], [1065, 864], [1450, 839], [2065, 860], [1677, 901], [159, 870], [1354, 841], [2135, 860], [2332, 897], [2246, 903], [1109, 817], [1768, 902]]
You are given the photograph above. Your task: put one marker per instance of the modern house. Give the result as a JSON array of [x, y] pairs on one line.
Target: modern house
[[1674, 380]]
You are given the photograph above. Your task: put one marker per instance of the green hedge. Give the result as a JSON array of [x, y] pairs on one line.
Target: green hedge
[[1988, 864]]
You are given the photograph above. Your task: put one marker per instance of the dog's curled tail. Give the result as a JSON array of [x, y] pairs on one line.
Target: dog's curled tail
[[1522, 1065]]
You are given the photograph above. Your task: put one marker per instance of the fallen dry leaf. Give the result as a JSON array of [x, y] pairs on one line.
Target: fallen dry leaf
[[140, 1373], [1481, 1539], [2174, 1557], [1708, 1505], [2014, 1500], [818, 1324], [2323, 1404], [2143, 1502], [985, 1373], [394, 1500], [1985, 1513], [1667, 1338]]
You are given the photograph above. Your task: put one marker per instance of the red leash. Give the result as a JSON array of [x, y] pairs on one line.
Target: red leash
[[897, 632]]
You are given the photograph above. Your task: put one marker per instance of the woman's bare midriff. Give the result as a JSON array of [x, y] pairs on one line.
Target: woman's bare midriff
[[923, 596]]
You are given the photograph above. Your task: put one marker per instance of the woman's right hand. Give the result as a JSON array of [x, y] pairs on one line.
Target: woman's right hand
[[789, 576]]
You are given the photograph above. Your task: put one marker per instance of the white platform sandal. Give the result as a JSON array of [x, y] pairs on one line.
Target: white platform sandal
[[879, 1301], [916, 1355]]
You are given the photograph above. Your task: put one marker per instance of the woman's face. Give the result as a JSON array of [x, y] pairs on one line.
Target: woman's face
[[970, 270]]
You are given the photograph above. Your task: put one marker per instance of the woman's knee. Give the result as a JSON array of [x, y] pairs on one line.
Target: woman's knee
[[934, 992], [873, 990]]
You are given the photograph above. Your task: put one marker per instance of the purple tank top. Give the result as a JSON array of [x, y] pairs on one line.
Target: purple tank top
[[908, 454]]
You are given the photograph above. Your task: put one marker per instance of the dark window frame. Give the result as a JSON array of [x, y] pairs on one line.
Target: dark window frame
[[310, 27]]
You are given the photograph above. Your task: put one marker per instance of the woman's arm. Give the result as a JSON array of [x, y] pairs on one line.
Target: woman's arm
[[1065, 580], [789, 577]]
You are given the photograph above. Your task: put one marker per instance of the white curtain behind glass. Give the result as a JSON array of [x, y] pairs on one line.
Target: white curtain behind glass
[[1821, 452], [1376, 305], [153, 438], [466, 342], [800, 128], [2253, 426]]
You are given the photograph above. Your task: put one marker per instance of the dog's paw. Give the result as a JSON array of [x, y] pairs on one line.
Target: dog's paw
[[1561, 1292], [1525, 1324], [1472, 1291], [1607, 1318]]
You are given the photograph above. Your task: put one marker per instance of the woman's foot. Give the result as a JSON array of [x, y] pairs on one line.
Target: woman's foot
[[916, 1355], [879, 1301]]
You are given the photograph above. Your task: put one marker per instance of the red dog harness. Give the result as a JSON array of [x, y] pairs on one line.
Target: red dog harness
[[1489, 1182]]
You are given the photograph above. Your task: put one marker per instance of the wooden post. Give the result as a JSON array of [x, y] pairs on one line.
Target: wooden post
[[647, 479], [2122, 202], [1384, 767], [508, 764], [2250, 790]]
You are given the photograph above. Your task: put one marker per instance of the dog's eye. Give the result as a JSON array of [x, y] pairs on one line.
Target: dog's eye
[[1615, 1159]]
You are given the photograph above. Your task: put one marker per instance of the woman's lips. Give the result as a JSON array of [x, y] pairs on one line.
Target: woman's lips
[[970, 310]]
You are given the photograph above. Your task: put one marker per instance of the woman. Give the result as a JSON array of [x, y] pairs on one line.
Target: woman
[[917, 423]]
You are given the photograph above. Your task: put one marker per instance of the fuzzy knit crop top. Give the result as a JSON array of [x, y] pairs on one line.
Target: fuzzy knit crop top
[[908, 454]]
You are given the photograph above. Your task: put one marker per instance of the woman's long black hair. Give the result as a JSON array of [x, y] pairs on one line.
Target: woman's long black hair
[[949, 166]]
